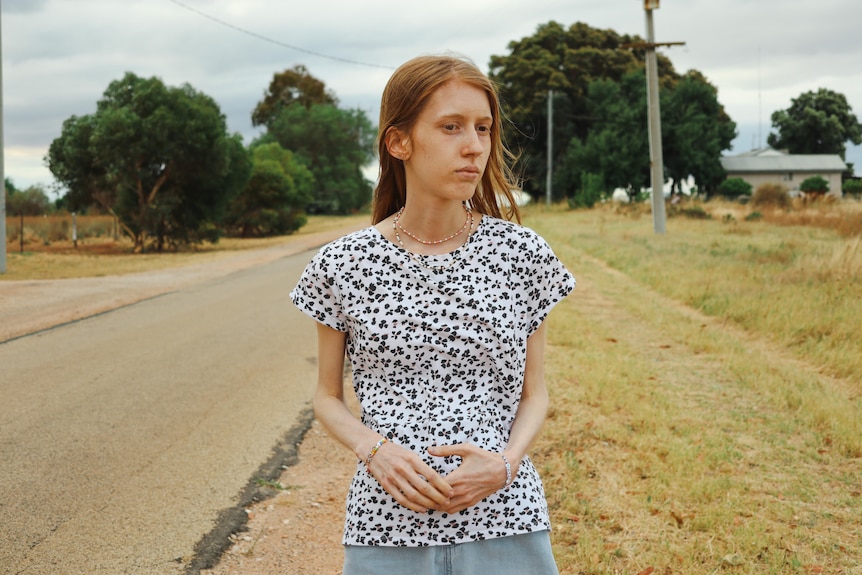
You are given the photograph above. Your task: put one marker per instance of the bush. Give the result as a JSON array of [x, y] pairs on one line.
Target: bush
[[732, 188], [815, 185], [852, 188], [753, 217], [592, 190], [772, 195]]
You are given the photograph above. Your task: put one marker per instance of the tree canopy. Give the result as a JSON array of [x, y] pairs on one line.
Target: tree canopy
[[294, 85], [274, 199], [566, 60], [820, 122], [600, 114], [158, 157], [695, 130], [32, 201], [334, 144]]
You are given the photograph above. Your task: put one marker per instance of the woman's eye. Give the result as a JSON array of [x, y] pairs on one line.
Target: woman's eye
[[484, 130], [450, 127]]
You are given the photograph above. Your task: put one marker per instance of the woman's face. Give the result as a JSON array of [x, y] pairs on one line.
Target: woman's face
[[446, 152]]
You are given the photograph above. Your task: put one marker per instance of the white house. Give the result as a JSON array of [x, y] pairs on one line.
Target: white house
[[767, 165]]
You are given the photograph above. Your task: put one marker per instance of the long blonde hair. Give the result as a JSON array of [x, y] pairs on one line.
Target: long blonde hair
[[404, 98]]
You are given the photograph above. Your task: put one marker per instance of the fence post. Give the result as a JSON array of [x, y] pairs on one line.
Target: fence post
[[75, 230]]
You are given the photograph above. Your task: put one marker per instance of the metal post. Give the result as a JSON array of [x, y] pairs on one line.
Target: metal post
[[2, 172], [550, 147], [655, 151]]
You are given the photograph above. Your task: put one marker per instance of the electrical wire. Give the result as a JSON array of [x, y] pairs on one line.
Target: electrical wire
[[277, 42]]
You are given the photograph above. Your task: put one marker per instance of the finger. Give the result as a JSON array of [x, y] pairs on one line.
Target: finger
[[459, 449], [435, 485], [420, 494]]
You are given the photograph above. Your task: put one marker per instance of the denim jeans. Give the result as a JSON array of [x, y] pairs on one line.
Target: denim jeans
[[526, 554]]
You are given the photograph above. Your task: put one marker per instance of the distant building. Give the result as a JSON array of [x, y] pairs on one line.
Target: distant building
[[769, 166]]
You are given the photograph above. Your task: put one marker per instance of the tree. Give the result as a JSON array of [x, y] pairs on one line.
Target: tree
[[10, 187], [617, 137], [294, 85], [820, 122], [158, 157], [567, 61], [333, 144], [275, 197], [695, 130], [32, 201]]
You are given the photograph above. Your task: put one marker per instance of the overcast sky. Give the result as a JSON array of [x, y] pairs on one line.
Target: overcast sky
[[60, 55]]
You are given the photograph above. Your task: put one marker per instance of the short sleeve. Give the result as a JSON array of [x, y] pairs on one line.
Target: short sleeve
[[548, 283], [317, 295]]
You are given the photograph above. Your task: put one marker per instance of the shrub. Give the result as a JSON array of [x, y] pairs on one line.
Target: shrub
[[815, 185], [773, 195], [695, 213], [852, 188], [734, 187], [753, 217]]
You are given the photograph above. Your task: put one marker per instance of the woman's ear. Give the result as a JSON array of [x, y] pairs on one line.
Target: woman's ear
[[398, 144]]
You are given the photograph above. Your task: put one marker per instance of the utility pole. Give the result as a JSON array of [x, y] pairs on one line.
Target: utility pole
[[654, 112], [655, 150], [550, 147], [2, 171]]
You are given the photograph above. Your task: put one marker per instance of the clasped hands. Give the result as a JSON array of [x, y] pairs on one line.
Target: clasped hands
[[415, 485]]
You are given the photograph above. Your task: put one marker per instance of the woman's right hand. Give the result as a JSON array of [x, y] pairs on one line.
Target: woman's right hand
[[411, 481]]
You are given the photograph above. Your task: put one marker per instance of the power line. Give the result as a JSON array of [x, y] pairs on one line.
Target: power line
[[277, 42]]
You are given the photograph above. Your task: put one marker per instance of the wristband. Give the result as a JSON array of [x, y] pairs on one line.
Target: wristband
[[373, 452], [508, 469]]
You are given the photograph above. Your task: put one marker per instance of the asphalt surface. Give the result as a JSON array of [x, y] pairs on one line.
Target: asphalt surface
[[129, 440]]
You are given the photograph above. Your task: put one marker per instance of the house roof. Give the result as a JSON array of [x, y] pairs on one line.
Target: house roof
[[769, 160]]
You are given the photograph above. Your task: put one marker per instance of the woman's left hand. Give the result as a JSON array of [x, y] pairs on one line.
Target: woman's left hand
[[480, 474]]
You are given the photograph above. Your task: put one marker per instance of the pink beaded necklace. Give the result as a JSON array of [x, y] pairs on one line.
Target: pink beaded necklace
[[398, 226]]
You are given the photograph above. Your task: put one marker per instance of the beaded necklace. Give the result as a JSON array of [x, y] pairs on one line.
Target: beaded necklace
[[467, 220], [456, 255]]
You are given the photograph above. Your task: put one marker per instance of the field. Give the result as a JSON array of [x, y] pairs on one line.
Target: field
[[706, 385], [707, 394]]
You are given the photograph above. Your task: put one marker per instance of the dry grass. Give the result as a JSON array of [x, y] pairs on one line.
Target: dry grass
[[97, 254], [691, 431]]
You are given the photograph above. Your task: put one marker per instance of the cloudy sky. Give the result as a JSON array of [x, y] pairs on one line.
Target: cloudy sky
[[60, 55]]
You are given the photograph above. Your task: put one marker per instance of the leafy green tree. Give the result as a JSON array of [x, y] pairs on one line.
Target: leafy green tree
[[293, 86], [274, 199], [734, 187], [566, 60], [158, 157], [814, 185], [617, 138], [820, 122], [333, 144], [695, 130]]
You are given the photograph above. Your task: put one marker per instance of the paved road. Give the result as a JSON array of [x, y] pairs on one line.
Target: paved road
[[123, 436]]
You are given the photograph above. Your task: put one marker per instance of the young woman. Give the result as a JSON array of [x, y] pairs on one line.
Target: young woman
[[439, 306]]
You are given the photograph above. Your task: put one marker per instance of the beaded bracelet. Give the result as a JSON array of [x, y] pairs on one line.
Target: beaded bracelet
[[373, 453], [508, 469]]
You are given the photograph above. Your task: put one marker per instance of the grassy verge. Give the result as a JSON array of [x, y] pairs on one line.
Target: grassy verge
[[692, 431]]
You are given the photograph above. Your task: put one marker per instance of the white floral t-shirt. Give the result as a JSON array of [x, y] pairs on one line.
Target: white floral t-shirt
[[438, 350]]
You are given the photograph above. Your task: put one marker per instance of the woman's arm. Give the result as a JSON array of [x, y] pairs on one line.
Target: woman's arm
[[482, 472], [400, 472]]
